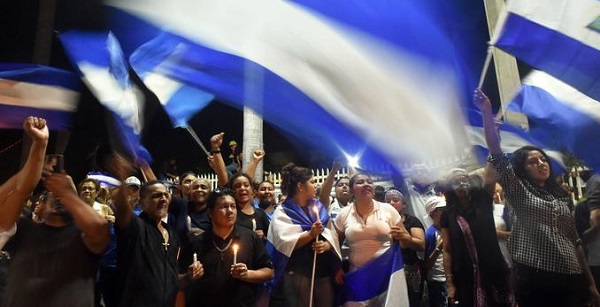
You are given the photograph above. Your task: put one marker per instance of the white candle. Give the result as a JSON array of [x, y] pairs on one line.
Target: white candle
[[316, 210], [195, 257], [235, 250], [253, 225]]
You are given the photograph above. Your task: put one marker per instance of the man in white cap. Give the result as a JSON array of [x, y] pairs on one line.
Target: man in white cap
[[434, 264], [132, 190]]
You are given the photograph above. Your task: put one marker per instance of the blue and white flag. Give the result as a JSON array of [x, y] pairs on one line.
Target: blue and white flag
[[105, 180], [560, 37], [288, 223], [560, 117], [104, 70], [342, 76], [180, 100], [511, 139], [380, 282], [35, 90]]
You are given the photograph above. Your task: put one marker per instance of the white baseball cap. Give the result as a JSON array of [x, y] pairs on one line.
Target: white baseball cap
[[132, 181], [433, 203]]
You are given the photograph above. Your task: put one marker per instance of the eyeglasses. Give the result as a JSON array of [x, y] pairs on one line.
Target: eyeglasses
[[84, 188]]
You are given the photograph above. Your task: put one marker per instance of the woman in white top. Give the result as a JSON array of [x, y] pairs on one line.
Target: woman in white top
[[368, 225]]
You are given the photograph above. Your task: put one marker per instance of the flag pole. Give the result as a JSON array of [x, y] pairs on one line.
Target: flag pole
[[312, 279], [197, 139], [486, 66]]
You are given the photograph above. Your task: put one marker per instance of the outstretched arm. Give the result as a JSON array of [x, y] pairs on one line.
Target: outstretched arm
[[257, 156], [215, 160], [489, 126], [121, 168], [93, 225], [14, 192], [328, 184]]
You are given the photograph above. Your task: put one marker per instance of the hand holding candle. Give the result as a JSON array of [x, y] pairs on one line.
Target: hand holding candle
[[316, 211], [235, 251], [196, 270]]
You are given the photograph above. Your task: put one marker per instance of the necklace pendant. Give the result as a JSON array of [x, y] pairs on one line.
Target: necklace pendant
[[222, 255]]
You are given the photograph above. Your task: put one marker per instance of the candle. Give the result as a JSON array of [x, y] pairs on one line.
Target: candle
[[235, 250], [253, 225], [195, 257], [316, 210]]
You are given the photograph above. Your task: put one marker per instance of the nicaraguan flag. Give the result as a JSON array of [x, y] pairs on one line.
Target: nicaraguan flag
[[105, 181], [180, 100], [104, 70], [380, 282], [511, 139], [371, 78], [35, 90], [288, 223], [560, 117], [560, 37]]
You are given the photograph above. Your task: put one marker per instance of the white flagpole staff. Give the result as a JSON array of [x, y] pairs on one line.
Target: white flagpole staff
[[314, 266], [197, 139]]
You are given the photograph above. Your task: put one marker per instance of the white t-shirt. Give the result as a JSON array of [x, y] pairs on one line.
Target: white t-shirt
[[500, 223], [370, 237]]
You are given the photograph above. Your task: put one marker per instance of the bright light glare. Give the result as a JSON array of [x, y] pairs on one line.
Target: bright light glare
[[352, 160]]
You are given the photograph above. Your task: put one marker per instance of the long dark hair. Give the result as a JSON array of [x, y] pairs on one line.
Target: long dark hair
[[518, 161], [291, 175]]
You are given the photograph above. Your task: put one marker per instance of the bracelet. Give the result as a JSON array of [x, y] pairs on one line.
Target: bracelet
[[215, 151]]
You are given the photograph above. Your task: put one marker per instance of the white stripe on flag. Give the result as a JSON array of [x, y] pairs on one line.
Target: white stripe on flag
[[24, 94], [346, 72], [509, 142], [163, 87], [570, 17], [123, 101], [564, 93]]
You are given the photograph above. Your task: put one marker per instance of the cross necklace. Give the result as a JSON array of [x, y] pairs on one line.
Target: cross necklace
[[165, 235], [222, 250]]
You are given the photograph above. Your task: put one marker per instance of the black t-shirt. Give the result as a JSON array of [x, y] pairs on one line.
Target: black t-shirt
[[178, 213], [261, 218], [410, 255], [147, 269], [217, 287], [480, 216], [199, 218], [50, 266]]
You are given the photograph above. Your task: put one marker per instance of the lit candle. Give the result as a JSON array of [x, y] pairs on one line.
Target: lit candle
[[235, 250], [316, 210], [253, 225], [195, 257]]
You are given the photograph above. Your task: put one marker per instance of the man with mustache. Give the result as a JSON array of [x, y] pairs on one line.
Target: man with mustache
[[148, 250]]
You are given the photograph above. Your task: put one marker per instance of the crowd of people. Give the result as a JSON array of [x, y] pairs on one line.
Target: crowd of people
[[505, 237]]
